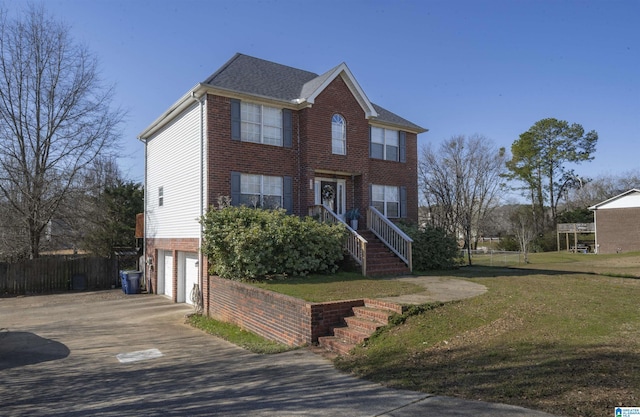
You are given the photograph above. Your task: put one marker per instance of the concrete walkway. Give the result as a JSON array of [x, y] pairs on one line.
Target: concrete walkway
[[438, 289], [110, 354]]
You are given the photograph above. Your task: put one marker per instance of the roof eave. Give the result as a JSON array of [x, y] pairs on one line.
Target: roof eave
[[178, 107], [596, 206], [197, 92]]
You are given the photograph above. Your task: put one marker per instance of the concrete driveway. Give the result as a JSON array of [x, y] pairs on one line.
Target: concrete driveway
[[110, 354]]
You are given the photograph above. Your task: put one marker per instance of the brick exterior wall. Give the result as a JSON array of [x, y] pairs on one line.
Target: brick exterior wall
[[618, 230], [226, 155], [311, 151], [274, 316]]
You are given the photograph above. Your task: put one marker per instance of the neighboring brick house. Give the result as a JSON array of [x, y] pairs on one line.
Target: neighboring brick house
[[617, 222], [268, 135]]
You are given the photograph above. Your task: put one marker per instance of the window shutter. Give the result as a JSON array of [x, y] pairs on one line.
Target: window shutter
[[403, 202], [403, 146], [287, 194], [235, 189], [235, 119], [287, 128]]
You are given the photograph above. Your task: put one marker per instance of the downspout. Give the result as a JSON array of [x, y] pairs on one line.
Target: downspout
[[145, 257], [201, 101], [595, 231], [299, 153]]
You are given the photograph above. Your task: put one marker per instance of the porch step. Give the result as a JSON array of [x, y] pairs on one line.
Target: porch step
[[380, 260], [360, 326]]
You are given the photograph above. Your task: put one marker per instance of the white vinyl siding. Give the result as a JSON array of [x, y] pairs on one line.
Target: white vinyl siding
[[173, 166]]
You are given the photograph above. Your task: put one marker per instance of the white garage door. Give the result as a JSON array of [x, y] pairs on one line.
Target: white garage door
[[167, 287], [190, 275]]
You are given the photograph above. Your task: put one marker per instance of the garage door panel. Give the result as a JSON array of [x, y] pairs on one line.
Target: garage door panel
[[168, 275]]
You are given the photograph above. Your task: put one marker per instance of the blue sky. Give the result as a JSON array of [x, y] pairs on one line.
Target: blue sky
[[456, 67]]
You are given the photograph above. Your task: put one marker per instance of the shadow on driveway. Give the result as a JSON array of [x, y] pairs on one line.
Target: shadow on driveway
[[25, 348]]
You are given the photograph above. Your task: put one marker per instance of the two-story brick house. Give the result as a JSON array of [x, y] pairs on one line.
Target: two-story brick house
[[268, 135]]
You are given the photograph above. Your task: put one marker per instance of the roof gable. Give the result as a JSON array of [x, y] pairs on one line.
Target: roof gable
[[628, 199], [250, 76], [313, 88]]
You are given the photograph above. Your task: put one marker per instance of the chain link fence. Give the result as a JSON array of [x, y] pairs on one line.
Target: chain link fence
[[494, 257]]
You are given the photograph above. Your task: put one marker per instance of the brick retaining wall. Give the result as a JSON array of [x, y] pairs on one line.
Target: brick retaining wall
[[275, 316]]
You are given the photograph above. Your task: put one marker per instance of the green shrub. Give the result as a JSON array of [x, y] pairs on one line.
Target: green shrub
[[432, 248], [509, 243], [246, 243]]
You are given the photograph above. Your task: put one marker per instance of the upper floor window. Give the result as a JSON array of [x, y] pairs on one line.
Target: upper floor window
[[338, 135], [385, 144], [386, 199], [261, 191], [160, 196], [261, 124]]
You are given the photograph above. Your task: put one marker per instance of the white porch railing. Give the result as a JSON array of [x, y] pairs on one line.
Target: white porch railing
[[390, 235], [356, 245]]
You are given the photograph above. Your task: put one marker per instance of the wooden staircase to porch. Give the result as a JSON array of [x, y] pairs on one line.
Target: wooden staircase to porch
[[360, 326], [380, 260]]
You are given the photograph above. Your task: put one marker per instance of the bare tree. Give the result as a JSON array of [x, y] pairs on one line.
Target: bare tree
[[460, 183], [55, 118], [601, 188], [524, 229]]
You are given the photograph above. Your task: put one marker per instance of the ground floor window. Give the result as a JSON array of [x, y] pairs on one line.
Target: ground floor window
[[261, 191], [386, 199]]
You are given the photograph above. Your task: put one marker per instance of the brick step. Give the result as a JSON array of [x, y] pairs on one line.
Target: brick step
[[359, 327], [351, 335], [387, 272], [362, 324], [374, 314], [334, 344], [384, 263], [384, 305]]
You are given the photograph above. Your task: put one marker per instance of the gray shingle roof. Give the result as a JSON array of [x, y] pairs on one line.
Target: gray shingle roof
[[251, 75], [254, 76], [385, 115]]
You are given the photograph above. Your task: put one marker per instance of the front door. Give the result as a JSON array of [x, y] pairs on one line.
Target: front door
[[331, 193]]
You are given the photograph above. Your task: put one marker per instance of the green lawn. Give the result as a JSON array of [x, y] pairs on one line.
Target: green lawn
[[341, 286], [556, 336], [234, 334]]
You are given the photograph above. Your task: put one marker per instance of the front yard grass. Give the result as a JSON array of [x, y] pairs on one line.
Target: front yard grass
[[545, 338], [234, 334], [340, 286]]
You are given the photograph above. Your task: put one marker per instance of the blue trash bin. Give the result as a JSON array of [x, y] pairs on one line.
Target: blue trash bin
[[124, 281], [133, 282]]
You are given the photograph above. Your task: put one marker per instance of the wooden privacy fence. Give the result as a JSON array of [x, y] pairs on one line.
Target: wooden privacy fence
[[58, 274]]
